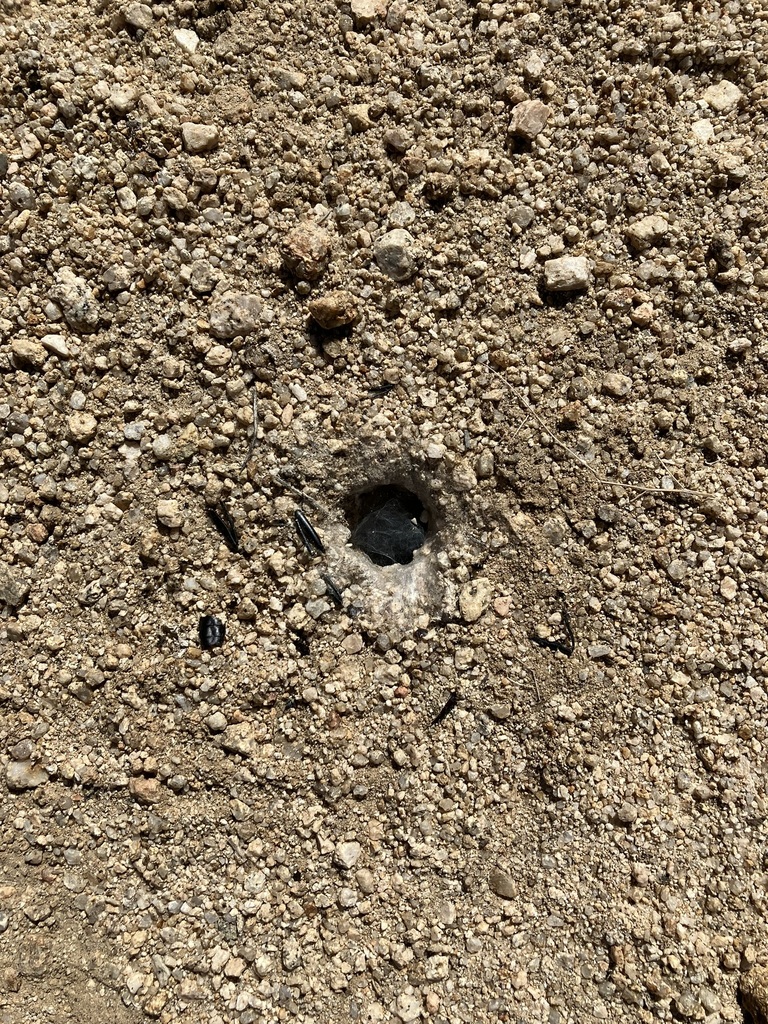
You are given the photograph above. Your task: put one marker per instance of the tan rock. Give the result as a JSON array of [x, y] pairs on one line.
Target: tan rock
[[647, 231], [138, 16], [366, 11], [359, 117], [199, 138], [754, 994], [27, 352], [82, 427], [618, 385], [233, 314], [567, 274], [146, 791], [21, 775], [529, 119], [169, 513], [723, 96], [502, 884], [475, 597], [306, 251], [335, 309], [243, 738]]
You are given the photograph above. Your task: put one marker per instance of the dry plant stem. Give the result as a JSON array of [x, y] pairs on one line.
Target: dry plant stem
[[297, 492], [254, 431], [603, 481], [532, 676]]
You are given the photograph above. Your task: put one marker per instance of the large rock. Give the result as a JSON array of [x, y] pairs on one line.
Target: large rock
[[647, 231], [306, 251], [722, 97], [72, 294], [346, 855], [244, 738], [233, 314], [138, 16], [14, 590], [28, 352], [397, 255], [366, 11], [21, 775], [754, 994], [567, 274], [199, 138], [335, 309], [529, 119]]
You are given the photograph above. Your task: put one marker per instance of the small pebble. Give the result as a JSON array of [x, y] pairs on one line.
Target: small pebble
[[146, 790], [475, 597], [729, 588], [618, 385]]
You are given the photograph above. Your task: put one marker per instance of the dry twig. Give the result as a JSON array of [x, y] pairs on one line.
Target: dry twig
[[602, 480]]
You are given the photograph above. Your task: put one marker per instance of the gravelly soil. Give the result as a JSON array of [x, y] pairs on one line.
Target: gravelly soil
[[258, 258]]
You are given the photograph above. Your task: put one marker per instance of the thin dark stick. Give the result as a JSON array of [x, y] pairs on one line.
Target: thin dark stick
[[602, 480], [297, 491]]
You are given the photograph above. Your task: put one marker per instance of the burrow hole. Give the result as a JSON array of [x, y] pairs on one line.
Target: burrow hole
[[388, 523]]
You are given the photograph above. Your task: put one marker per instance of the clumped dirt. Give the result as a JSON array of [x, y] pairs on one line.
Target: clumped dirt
[[259, 258]]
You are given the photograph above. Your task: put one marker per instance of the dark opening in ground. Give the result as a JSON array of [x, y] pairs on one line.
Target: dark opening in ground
[[388, 524]]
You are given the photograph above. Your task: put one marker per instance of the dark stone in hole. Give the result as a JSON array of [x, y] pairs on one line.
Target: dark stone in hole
[[388, 524]]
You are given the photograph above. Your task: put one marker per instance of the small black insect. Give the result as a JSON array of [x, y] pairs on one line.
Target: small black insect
[[447, 708], [381, 389], [300, 641], [332, 590], [225, 524], [309, 536], [295, 702], [212, 632]]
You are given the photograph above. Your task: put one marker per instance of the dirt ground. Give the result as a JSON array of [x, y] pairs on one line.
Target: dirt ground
[[508, 264]]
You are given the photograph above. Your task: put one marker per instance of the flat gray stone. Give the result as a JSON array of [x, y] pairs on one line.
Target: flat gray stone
[[233, 314], [502, 884]]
